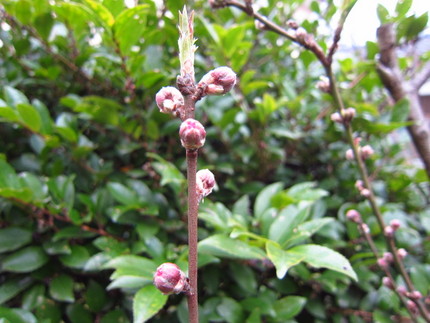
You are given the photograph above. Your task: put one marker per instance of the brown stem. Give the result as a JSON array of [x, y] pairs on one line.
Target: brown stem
[[193, 203]]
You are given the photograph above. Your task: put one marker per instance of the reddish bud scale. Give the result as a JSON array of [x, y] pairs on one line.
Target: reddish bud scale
[[192, 134]]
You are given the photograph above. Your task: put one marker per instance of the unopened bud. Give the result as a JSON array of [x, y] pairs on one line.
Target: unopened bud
[[348, 114], [388, 256], [366, 151], [349, 154], [395, 224], [324, 85], [365, 228], [353, 216], [205, 182], [169, 100], [192, 134], [218, 81], [292, 24], [365, 192], [387, 282], [402, 253], [415, 295], [412, 306], [382, 263], [259, 25], [388, 231], [359, 185], [336, 117], [301, 34], [402, 290], [170, 279]]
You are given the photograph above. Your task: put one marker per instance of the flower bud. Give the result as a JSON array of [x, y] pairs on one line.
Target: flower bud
[[387, 282], [205, 182], [366, 152], [348, 114], [192, 134], [359, 185], [292, 24], [388, 231], [382, 263], [324, 85], [388, 256], [395, 224], [402, 253], [412, 306], [170, 279], [416, 295], [402, 290], [365, 192], [353, 216], [365, 228], [169, 100], [218, 81], [349, 154], [336, 117]]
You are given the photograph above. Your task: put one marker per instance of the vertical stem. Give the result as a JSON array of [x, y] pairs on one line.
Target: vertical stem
[[193, 306]]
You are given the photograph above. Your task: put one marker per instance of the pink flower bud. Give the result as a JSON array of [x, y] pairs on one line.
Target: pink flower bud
[[416, 295], [366, 152], [205, 182], [387, 282], [169, 279], [365, 228], [348, 114], [388, 256], [402, 290], [388, 231], [365, 192], [395, 224], [382, 263], [336, 117], [349, 154], [402, 253], [353, 216], [359, 185], [412, 306], [324, 85], [169, 100], [192, 134], [218, 81]]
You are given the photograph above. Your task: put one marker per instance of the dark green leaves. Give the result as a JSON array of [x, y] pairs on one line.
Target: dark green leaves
[[12, 238], [25, 260], [147, 302]]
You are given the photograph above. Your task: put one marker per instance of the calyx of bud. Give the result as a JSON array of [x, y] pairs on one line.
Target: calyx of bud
[[192, 134]]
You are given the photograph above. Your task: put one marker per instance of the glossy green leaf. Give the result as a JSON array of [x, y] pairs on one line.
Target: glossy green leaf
[[132, 265], [13, 97], [61, 288], [225, 247], [13, 238], [13, 287], [283, 260], [16, 315], [33, 297], [9, 114], [101, 14], [288, 307], [123, 194], [95, 296], [306, 230], [30, 116], [262, 202], [230, 310], [77, 313], [77, 258], [25, 260], [402, 7], [323, 257], [146, 303]]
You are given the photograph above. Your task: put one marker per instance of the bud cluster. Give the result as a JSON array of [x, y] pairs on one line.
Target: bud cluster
[[365, 192], [386, 260], [170, 279], [391, 228]]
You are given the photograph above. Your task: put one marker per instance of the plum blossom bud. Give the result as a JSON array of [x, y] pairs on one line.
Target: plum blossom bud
[[395, 224], [292, 24], [205, 182], [388, 231], [365, 192], [192, 134], [169, 100], [387, 282], [382, 263], [349, 154], [402, 290], [170, 279], [359, 185], [402, 253], [366, 152], [301, 34], [336, 117], [388, 256], [348, 114], [218, 81], [365, 228], [416, 295], [324, 85], [412, 306], [353, 216]]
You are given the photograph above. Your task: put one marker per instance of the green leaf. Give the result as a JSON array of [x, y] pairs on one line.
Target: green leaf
[[9, 114], [10, 288], [225, 247], [101, 13], [283, 260], [77, 313], [230, 310], [8, 177], [402, 7], [33, 297], [400, 111], [115, 316], [288, 307], [95, 296], [306, 230], [129, 27], [61, 288], [263, 200], [323, 257], [123, 194], [13, 238], [14, 97], [77, 258], [147, 302], [16, 315], [25, 260], [383, 14], [131, 265], [30, 116]]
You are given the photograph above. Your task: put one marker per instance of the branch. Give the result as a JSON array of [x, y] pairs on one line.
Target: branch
[[421, 77]]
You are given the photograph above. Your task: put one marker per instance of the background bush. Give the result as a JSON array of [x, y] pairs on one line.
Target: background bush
[[91, 174]]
